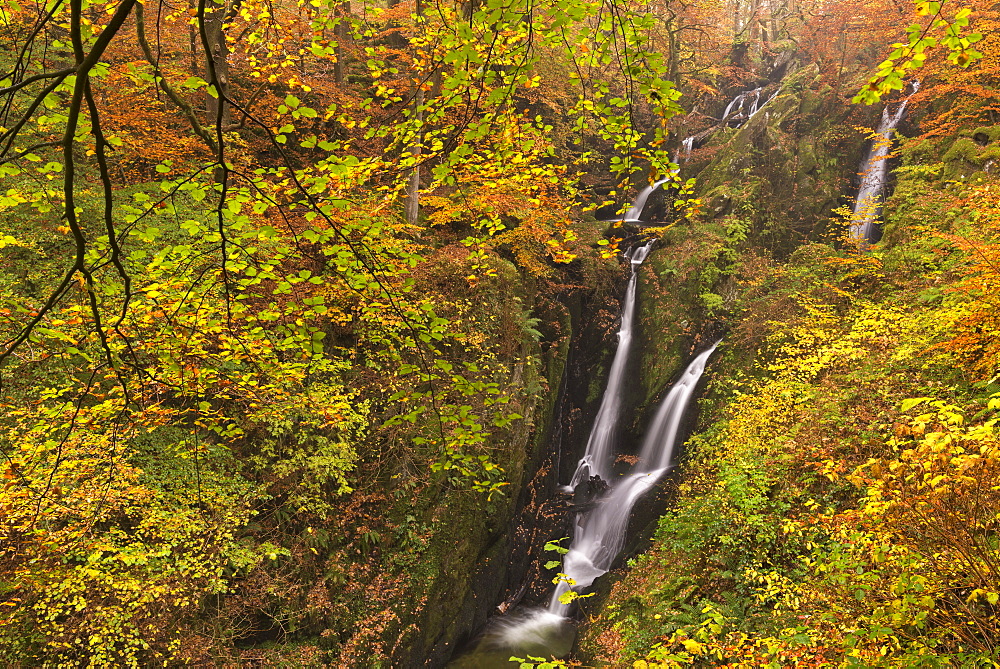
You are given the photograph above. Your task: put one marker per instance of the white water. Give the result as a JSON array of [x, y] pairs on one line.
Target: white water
[[738, 99], [688, 146], [741, 100], [633, 213], [536, 631], [600, 532], [600, 444], [739, 103], [550, 632], [527, 632], [874, 168]]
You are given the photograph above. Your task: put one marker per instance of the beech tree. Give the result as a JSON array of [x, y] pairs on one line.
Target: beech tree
[[214, 308]]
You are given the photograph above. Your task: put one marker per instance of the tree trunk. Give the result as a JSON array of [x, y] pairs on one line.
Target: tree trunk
[[193, 42], [396, 39], [342, 31], [413, 189], [755, 26], [217, 62]]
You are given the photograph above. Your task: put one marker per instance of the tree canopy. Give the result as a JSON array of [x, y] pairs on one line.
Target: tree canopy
[[265, 267]]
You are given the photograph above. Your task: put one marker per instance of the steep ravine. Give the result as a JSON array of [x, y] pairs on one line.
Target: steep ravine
[[476, 569], [791, 541], [767, 186], [507, 571], [553, 511], [792, 144]]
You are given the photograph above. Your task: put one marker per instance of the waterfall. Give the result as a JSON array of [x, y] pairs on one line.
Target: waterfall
[[741, 100], [738, 99], [599, 533], [633, 213], [602, 435], [688, 146], [874, 168]]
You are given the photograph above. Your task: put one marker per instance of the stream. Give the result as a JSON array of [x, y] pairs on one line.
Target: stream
[[864, 228], [604, 496], [603, 501]]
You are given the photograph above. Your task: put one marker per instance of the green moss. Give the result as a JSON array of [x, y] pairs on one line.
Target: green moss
[[918, 152], [988, 153], [786, 168], [962, 149], [991, 131]]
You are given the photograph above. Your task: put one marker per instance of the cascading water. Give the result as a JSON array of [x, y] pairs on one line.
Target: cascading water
[[740, 102], [599, 535], [602, 435], [740, 97], [688, 146], [635, 211], [874, 168], [600, 532], [537, 631]]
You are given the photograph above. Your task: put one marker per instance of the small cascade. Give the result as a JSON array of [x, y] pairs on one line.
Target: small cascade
[[874, 170], [753, 105], [599, 533], [740, 97], [602, 436], [635, 211], [745, 105], [688, 146], [739, 104]]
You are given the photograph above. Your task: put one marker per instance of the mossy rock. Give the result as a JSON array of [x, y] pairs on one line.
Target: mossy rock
[[788, 153], [919, 152], [807, 155], [986, 134], [962, 149]]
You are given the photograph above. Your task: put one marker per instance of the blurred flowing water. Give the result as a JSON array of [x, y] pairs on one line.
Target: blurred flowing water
[[600, 526]]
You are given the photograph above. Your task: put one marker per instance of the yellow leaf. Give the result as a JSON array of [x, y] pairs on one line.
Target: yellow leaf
[[692, 646]]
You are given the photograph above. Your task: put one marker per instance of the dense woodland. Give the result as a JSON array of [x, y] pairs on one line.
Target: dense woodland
[[304, 303]]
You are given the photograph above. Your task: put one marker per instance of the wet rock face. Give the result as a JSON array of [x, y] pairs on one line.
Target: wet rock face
[[588, 492], [514, 577], [656, 209]]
